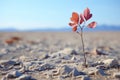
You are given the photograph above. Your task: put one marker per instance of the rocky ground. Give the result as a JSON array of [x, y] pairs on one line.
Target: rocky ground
[[59, 56]]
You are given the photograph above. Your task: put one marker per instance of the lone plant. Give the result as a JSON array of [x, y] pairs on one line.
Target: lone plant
[[79, 21]]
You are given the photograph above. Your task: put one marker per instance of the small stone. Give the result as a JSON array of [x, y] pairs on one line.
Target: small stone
[[101, 72], [66, 57], [73, 58], [91, 51], [58, 61], [110, 63], [101, 52], [56, 55], [105, 48], [65, 70], [116, 75], [23, 58], [94, 51], [4, 50], [44, 56], [101, 67], [6, 63], [25, 77], [75, 72], [31, 68], [14, 74], [46, 67], [19, 47], [27, 65], [94, 71], [68, 51]]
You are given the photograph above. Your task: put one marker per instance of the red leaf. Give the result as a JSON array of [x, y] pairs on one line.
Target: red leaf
[[74, 28], [81, 18], [92, 24], [87, 14], [75, 17], [72, 24]]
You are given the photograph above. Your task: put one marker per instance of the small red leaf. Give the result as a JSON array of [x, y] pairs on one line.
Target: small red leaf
[[87, 14], [92, 24], [72, 24], [75, 17], [81, 18], [74, 28]]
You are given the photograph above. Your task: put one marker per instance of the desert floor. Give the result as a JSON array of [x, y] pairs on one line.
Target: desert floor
[[44, 47]]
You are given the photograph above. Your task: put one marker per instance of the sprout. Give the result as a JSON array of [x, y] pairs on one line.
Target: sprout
[[79, 21]]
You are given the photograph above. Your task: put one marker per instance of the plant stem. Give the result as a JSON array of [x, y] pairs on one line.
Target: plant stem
[[81, 34]]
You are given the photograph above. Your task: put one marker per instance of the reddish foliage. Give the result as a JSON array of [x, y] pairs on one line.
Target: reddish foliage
[[77, 20], [87, 14], [92, 25], [80, 21]]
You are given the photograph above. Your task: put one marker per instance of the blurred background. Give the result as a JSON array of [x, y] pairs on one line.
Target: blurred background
[[54, 15]]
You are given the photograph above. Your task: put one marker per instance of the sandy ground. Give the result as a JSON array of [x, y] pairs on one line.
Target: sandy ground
[[55, 41], [34, 44]]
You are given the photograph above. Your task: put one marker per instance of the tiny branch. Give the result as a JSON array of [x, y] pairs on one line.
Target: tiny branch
[[80, 21], [83, 46]]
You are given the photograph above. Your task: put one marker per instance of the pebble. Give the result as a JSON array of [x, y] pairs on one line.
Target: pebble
[[56, 55], [66, 57], [91, 51], [25, 77], [68, 51], [5, 63], [20, 47], [116, 75], [24, 58], [94, 71], [75, 72], [73, 58], [28, 65], [110, 63], [65, 70], [46, 66], [95, 51], [14, 74], [101, 52], [44, 56], [101, 67], [4, 50]]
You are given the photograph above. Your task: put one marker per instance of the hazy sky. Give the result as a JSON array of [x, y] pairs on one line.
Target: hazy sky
[[29, 14]]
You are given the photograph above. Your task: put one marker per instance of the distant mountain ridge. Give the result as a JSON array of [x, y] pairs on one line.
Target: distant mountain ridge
[[107, 28], [8, 29], [67, 28]]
